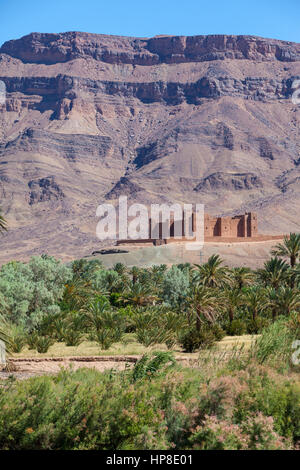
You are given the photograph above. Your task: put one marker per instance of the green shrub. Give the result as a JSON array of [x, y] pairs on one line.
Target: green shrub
[[150, 365], [31, 340], [43, 343], [32, 290], [191, 340], [256, 433], [72, 337], [17, 338], [275, 343], [80, 410], [236, 328], [256, 326], [156, 405], [218, 331]]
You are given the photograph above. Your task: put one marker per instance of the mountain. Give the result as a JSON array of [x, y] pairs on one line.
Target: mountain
[[89, 117]]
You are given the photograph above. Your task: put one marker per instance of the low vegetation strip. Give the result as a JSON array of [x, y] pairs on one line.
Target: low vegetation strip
[[156, 404], [225, 374]]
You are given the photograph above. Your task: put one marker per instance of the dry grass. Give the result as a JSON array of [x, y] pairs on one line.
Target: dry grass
[[128, 347]]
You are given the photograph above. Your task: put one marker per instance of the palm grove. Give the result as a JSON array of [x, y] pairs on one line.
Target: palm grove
[[191, 306]]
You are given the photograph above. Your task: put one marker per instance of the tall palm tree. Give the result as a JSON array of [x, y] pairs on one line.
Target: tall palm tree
[[287, 301], [242, 277], [233, 300], [275, 273], [139, 294], [256, 301], [212, 274], [76, 294], [290, 248], [295, 276], [205, 303], [271, 296]]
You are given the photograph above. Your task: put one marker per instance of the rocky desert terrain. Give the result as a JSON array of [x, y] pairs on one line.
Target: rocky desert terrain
[[88, 117]]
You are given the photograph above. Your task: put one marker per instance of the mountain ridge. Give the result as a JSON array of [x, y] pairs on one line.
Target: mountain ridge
[[205, 119]]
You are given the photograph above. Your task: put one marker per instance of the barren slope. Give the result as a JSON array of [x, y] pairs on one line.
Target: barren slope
[[194, 119]]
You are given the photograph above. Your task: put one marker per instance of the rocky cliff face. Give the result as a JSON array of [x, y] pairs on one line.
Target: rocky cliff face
[[52, 48], [90, 117]]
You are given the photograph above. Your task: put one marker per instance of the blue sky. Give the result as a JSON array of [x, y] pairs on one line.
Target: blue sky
[[268, 18]]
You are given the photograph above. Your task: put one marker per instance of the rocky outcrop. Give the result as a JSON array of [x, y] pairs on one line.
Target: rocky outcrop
[[228, 181], [53, 48], [54, 91], [44, 189], [69, 147], [124, 187]]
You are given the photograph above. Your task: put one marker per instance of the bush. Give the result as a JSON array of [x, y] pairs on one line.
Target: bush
[[257, 433], [157, 405], [80, 410], [17, 338], [31, 340], [175, 286], [43, 343], [236, 328], [192, 339], [256, 326], [32, 290], [218, 331], [275, 343], [149, 366], [72, 337]]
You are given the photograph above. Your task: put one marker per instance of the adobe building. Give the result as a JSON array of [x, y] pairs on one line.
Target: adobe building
[[217, 228], [231, 227]]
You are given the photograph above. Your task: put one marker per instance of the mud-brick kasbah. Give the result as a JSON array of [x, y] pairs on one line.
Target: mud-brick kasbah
[[238, 227], [231, 227]]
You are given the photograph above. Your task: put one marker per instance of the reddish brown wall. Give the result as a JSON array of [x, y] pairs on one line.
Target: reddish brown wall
[[238, 226]]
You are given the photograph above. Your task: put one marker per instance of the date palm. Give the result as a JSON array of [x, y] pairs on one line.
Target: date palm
[[140, 294], [120, 268], [290, 248], [233, 300], [242, 277], [205, 303], [287, 301], [212, 274], [275, 273], [135, 273], [76, 294], [295, 276], [256, 301], [271, 295]]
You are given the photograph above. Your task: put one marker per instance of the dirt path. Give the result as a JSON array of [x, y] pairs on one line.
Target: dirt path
[[31, 367]]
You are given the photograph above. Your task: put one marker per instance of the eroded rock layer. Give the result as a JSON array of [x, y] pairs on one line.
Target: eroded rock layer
[[89, 117]]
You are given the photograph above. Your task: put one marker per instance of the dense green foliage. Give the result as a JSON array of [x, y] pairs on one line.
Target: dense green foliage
[[249, 400], [32, 290], [155, 405], [192, 306]]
